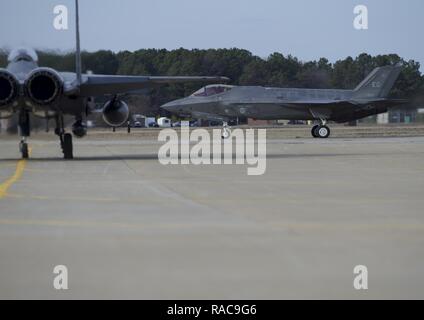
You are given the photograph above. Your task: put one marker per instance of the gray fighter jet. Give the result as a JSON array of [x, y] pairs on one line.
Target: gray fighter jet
[[25, 87], [223, 102]]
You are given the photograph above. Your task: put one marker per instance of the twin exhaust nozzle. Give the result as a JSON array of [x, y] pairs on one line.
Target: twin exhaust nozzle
[[43, 86]]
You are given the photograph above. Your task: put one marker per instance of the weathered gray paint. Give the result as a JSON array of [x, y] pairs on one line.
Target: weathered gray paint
[[370, 97], [74, 98]]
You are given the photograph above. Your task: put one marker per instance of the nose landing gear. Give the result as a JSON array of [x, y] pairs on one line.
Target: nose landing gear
[[226, 131], [25, 132], [24, 149]]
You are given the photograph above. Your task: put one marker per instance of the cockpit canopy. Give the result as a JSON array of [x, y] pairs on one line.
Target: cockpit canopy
[[212, 90], [22, 54]]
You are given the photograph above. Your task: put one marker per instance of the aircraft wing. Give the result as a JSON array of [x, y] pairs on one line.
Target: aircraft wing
[[97, 85]]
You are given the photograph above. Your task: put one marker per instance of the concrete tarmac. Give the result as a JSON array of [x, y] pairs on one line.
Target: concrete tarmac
[[126, 226]]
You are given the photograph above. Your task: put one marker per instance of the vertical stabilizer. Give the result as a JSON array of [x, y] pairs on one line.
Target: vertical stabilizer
[[78, 45], [378, 84]]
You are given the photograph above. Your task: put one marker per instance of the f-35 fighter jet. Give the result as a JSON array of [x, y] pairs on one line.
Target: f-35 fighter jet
[[223, 102]]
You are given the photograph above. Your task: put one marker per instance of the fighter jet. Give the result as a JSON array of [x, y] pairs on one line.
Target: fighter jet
[[27, 88], [223, 102]]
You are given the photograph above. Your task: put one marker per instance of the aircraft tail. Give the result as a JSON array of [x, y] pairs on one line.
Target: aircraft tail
[[378, 83], [78, 46]]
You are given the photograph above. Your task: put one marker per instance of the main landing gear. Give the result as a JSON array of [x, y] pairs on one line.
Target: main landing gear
[[65, 139], [321, 131], [67, 146], [25, 131]]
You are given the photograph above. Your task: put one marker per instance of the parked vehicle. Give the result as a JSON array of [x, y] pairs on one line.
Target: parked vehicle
[[164, 122]]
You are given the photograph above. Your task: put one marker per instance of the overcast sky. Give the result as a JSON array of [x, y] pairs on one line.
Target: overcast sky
[[308, 29]]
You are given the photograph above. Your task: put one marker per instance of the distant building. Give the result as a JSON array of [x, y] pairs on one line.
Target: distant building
[[383, 118], [400, 116], [252, 122], [3, 124], [403, 116]]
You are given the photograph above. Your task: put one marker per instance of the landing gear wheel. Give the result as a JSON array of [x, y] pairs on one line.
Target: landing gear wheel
[[68, 150], [226, 133], [323, 132], [314, 131], [24, 150]]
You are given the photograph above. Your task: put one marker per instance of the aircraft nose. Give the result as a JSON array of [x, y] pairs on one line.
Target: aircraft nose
[[172, 106]]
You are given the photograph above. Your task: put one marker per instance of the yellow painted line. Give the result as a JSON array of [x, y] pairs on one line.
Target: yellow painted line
[[20, 168]]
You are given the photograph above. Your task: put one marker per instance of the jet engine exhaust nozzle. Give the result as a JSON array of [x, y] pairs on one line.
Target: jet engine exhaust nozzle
[[44, 86], [9, 88]]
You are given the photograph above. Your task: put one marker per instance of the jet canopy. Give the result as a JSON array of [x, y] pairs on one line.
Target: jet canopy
[[23, 54], [212, 90]]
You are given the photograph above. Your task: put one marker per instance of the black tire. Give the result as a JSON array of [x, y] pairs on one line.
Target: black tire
[[68, 149], [24, 150], [323, 132], [314, 131]]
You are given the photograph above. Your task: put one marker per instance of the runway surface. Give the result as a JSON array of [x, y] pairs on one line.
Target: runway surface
[[128, 227]]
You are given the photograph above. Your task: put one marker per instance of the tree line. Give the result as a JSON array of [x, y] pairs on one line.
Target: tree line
[[241, 66]]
